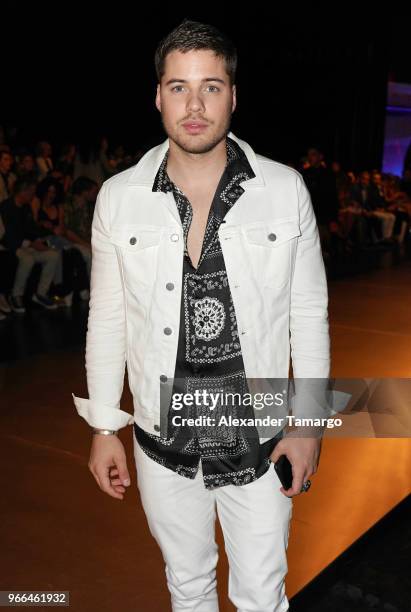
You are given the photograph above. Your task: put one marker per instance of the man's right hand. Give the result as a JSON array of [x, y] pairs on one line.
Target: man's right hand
[[108, 464]]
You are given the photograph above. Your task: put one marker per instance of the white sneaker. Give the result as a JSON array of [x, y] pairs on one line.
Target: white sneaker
[[17, 304], [4, 305], [85, 294]]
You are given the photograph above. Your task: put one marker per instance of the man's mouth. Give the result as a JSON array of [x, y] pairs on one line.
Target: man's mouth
[[194, 127]]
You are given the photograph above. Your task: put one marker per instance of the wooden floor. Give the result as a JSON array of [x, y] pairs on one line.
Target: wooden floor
[[60, 532]]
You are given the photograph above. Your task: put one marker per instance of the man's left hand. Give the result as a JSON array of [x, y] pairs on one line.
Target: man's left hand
[[303, 454]]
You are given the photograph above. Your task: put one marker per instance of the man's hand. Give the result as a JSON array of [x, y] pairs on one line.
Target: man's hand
[[303, 454], [108, 464]]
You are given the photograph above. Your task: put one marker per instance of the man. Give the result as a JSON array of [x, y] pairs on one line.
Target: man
[[205, 257], [44, 159], [24, 238], [370, 199], [321, 182], [26, 168], [380, 206], [7, 271], [7, 177]]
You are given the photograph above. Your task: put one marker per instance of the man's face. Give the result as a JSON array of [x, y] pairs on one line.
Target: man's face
[[28, 194], [377, 178], [364, 178], [27, 163], [314, 157], [6, 162], [195, 87], [51, 194]]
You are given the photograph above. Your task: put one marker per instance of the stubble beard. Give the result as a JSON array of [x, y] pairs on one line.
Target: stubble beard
[[200, 146]]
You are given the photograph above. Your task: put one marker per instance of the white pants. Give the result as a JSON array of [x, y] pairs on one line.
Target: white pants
[[255, 520]]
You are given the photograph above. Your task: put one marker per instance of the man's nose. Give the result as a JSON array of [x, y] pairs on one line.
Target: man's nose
[[195, 102]]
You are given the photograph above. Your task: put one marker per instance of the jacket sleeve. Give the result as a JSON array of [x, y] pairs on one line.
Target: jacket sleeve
[[106, 330], [309, 327]]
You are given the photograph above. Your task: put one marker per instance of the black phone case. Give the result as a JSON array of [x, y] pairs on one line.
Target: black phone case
[[284, 471]]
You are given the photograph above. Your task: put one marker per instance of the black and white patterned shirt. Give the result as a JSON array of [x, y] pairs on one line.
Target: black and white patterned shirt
[[209, 352]]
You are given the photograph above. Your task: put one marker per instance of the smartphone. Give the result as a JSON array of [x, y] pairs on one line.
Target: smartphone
[[284, 471]]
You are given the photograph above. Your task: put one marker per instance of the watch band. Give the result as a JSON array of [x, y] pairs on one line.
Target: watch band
[[105, 432]]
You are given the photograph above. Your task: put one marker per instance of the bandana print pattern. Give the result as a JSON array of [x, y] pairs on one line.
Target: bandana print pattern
[[209, 352]]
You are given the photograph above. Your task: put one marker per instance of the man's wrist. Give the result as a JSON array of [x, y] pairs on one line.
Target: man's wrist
[[303, 431], [105, 432]]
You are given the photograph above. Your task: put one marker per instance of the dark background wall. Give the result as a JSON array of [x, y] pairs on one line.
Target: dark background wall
[[72, 70]]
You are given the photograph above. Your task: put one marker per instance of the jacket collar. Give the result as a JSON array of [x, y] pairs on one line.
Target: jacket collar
[[146, 169]]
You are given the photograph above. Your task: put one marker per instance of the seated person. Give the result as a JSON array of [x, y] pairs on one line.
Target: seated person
[[379, 206], [7, 177], [24, 237], [363, 192], [399, 204], [7, 271], [351, 219], [78, 216], [26, 166], [48, 213]]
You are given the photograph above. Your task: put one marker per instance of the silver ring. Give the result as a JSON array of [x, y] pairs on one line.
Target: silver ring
[[306, 486]]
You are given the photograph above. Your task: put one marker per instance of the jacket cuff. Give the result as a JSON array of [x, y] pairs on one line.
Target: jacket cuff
[[100, 415]]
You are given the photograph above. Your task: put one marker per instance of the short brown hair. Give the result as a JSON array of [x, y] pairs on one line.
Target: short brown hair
[[195, 35]]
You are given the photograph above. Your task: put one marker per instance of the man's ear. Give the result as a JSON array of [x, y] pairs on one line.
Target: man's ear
[[158, 99], [234, 89]]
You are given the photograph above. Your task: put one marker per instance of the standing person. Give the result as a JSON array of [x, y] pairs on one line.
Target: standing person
[[322, 185], [205, 256]]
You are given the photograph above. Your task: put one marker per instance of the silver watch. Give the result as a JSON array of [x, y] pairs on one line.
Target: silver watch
[[105, 432]]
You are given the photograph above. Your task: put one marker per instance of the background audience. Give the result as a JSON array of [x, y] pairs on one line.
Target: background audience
[[47, 205]]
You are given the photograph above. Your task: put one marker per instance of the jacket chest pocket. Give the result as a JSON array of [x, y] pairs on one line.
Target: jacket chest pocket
[[138, 248], [271, 245]]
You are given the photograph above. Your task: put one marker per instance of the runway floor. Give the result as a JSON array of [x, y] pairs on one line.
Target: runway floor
[[60, 532]]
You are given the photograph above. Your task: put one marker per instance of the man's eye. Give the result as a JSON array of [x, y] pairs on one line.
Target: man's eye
[[179, 87]]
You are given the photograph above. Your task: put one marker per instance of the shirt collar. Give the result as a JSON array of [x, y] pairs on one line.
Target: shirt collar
[[237, 164]]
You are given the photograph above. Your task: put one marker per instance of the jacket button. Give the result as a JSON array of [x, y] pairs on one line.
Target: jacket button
[[156, 427], [272, 237], [168, 331], [163, 378], [174, 237], [133, 240], [170, 286]]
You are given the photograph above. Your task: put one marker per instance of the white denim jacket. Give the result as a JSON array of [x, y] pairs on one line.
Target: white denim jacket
[[274, 264]]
